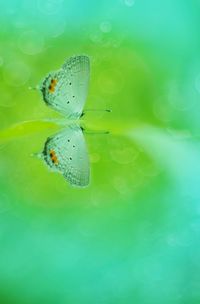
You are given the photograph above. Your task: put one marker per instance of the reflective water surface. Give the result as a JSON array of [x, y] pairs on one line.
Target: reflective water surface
[[131, 235]]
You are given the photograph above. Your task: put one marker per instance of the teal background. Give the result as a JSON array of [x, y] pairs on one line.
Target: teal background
[[132, 236]]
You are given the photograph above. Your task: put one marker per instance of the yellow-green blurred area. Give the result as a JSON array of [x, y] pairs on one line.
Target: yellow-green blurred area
[[131, 236]]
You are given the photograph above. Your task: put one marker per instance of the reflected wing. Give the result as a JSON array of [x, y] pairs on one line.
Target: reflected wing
[[66, 90], [66, 152]]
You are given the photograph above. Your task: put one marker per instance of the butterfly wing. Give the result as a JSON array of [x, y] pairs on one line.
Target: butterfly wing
[[66, 90], [66, 153]]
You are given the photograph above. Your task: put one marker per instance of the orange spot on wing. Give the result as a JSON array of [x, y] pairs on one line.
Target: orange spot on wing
[[54, 81], [52, 85], [53, 157]]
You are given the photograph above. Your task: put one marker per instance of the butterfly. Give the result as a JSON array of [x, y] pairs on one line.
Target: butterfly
[[65, 90], [66, 153]]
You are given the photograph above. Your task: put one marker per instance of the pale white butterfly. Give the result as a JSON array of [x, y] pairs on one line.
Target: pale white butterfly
[[66, 90], [66, 153]]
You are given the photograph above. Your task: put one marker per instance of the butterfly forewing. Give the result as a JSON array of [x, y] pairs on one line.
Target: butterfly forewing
[[66, 152], [66, 90]]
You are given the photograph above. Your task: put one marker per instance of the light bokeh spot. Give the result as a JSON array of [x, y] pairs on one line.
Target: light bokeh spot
[[16, 73], [105, 26], [31, 42], [129, 3], [49, 7]]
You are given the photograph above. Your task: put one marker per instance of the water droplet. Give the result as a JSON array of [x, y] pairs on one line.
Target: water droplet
[[31, 42], [16, 73], [105, 26]]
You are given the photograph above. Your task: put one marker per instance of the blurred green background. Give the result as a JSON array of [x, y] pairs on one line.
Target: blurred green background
[[132, 236]]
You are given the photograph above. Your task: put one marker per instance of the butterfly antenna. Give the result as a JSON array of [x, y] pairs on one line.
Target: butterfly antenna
[[95, 110]]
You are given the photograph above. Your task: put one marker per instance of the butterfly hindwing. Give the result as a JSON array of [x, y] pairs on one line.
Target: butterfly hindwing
[[66, 153], [66, 90]]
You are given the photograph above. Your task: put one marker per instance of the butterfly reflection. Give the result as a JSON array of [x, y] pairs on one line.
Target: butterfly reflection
[[66, 153]]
